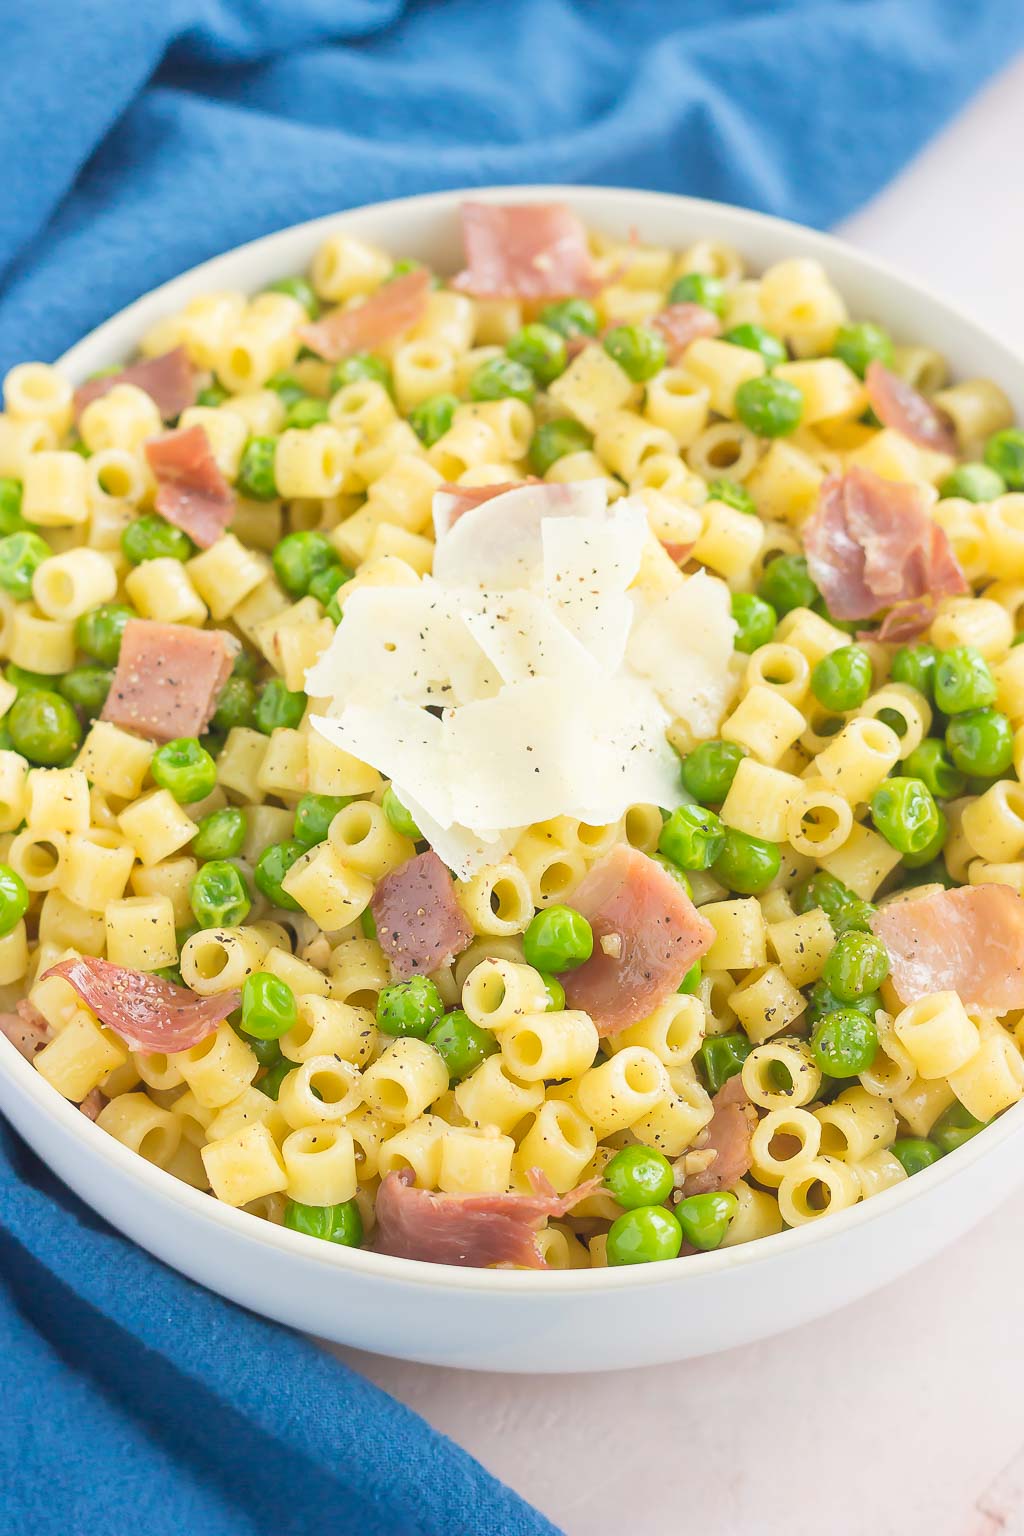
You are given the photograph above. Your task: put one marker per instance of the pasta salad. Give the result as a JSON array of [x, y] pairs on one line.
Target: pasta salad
[[518, 767]]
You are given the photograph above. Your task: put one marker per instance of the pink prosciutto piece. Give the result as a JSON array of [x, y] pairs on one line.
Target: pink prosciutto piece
[[656, 934], [27, 1030], [395, 307], [469, 496], [168, 677], [92, 1104], [471, 1231], [969, 940], [191, 491], [871, 544], [420, 925], [149, 1014], [168, 380], [524, 251], [728, 1136], [680, 324], [900, 406], [904, 623]]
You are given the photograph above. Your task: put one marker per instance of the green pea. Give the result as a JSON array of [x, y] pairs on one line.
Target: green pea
[[858, 964], [842, 679], [43, 727], [755, 621], [305, 413], [540, 349], [555, 991], [340, 1224], [692, 837], [406, 264], [733, 495], [676, 872], [558, 938], [325, 584], [410, 1007], [639, 1176], [554, 440], [368, 923], [786, 584], [220, 834], [11, 520], [915, 664], [823, 1001], [236, 705], [297, 288], [287, 386], [691, 981], [461, 1044], [212, 396], [171, 973], [313, 817], [99, 631], [431, 419], [699, 288], [24, 680], [1004, 452], [271, 1080], [21, 555], [87, 688], [14, 898], [963, 681], [269, 1009], [904, 811], [973, 482], [639, 350], [708, 771], [272, 866], [769, 406], [953, 1127], [185, 769], [861, 344], [218, 895], [298, 557], [500, 378], [756, 339], [930, 852], [644, 1236], [399, 817], [255, 478], [916, 1153], [931, 763], [844, 1043], [720, 1057], [278, 706], [359, 366], [980, 742], [843, 909], [746, 864], [267, 1052], [571, 317], [705, 1218]]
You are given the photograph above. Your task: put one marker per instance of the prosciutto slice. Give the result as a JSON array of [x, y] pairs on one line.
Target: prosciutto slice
[[524, 251], [168, 380], [420, 925], [680, 324], [148, 1013], [471, 1231], [191, 491], [968, 940], [900, 406], [728, 1136], [656, 934], [465, 497], [395, 307], [871, 544], [27, 1030], [167, 679]]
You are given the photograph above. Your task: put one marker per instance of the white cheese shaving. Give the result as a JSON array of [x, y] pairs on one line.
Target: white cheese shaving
[[556, 682]]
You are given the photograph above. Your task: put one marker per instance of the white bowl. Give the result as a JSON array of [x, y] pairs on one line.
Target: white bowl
[[512, 1320]]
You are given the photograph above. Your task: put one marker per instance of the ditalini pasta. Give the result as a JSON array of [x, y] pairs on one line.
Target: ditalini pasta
[[517, 767]]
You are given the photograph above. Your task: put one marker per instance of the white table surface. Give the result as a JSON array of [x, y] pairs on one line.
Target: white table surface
[[904, 1414]]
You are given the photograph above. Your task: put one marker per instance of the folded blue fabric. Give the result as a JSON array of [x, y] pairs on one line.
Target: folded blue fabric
[[143, 138]]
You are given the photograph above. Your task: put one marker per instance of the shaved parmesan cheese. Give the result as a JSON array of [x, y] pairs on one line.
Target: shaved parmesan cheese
[[536, 675], [683, 644]]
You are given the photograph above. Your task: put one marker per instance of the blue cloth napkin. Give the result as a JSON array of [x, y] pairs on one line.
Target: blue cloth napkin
[[140, 138]]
